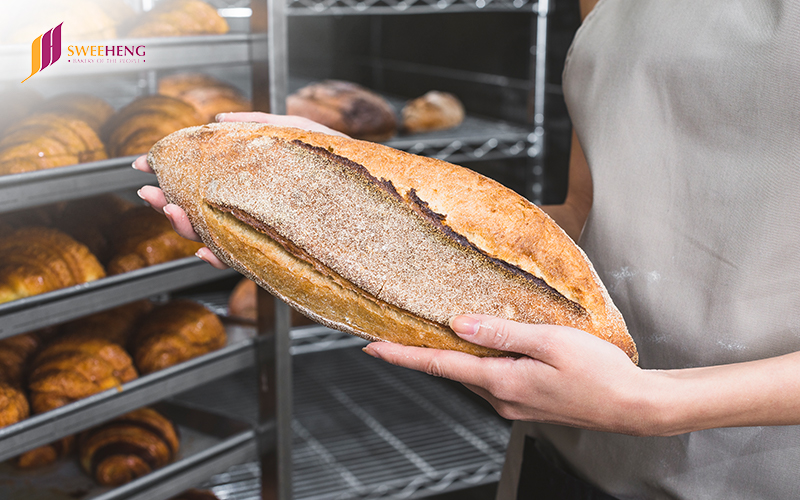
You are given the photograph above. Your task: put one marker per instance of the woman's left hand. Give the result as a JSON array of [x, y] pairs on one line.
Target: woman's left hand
[[564, 376]]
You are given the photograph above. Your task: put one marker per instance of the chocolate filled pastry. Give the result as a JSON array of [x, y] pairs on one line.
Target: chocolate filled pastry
[[128, 447], [346, 107], [175, 332], [38, 260], [376, 242], [143, 238]]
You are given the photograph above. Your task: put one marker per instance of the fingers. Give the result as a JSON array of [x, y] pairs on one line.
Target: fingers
[[461, 367], [208, 256], [154, 196], [141, 164]]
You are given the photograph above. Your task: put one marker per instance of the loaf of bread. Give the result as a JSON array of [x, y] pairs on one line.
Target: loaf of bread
[[143, 238], [376, 242], [179, 18], [175, 332], [242, 304], [128, 447], [208, 95], [48, 140], [38, 260], [135, 128], [433, 111], [346, 107]]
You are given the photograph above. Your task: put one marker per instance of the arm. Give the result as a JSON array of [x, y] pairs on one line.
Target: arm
[[571, 378], [572, 214]]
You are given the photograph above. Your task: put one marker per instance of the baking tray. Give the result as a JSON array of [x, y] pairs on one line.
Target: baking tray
[[82, 414], [210, 444], [31, 313]]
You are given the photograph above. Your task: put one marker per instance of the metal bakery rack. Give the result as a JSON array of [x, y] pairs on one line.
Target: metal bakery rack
[[298, 412]]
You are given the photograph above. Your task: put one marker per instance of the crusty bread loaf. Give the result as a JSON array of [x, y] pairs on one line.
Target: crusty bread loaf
[[433, 111], [346, 107], [208, 95], [377, 242]]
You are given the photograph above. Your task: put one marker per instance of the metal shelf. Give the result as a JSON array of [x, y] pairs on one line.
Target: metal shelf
[[384, 7], [363, 429], [40, 187], [160, 53], [55, 307], [69, 419]]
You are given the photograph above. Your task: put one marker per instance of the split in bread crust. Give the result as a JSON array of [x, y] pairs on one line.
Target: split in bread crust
[[377, 242]]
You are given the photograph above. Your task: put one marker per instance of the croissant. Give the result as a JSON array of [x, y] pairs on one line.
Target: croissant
[[208, 95], [38, 260], [136, 127], [175, 332], [13, 404], [94, 111], [48, 140], [72, 368], [46, 454], [91, 220], [115, 325], [143, 238], [128, 447]]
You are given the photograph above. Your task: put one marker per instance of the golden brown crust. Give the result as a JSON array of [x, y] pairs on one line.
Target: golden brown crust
[[13, 404], [346, 107], [38, 260], [433, 111], [144, 238], [175, 332], [128, 447], [507, 241], [136, 127]]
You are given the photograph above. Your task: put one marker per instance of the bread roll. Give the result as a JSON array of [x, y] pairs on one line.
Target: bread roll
[[38, 260], [208, 95], [377, 242], [136, 127], [128, 447], [144, 238], [433, 111], [179, 18], [346, 107], [176, 332]]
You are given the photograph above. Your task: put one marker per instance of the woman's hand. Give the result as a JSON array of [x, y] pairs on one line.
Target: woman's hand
[[564, 376], [175, 214]]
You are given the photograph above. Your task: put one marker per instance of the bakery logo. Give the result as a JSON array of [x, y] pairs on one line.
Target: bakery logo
[[93, 54], [45, 50]]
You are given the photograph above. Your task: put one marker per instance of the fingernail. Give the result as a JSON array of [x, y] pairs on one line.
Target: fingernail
[[133, 165], [139, 194], [372, 351], [220, 117], [465, 325], [166, 211], [199, 254]]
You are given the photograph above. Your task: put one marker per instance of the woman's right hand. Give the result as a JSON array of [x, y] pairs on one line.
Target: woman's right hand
[[175, 214]]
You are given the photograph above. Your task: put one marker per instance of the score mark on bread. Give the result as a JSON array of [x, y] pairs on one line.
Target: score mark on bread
[[369, 240]]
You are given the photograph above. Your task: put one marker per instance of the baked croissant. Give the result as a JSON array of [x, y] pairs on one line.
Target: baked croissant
[[72, 368], [38, 260], [13, 404], [136, 127], [175, 332], [128, 447], [88, 108], [115, 325], [46, 454], [208, 95], [144, 238]]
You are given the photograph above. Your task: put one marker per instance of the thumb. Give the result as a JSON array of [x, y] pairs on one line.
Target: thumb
[[535, 341]]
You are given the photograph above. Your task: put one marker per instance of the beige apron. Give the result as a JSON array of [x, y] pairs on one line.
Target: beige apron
[[689, 115]]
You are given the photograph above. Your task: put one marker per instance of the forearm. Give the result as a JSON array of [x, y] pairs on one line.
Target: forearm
[[572, 214], [756, 393]]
